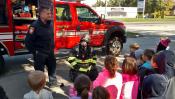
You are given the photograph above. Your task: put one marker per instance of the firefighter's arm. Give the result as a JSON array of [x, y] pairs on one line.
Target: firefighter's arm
[[30, 39], [93, 54]]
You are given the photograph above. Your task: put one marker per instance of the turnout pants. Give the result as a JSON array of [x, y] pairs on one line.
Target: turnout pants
[[42, 59]]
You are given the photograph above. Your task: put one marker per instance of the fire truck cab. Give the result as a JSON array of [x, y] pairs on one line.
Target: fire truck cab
[[72, 21]]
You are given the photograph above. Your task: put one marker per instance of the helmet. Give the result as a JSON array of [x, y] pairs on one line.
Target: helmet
[[85, 38], [84, 41]]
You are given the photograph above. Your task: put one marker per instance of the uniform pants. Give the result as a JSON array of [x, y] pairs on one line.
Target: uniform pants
[[42, 59]]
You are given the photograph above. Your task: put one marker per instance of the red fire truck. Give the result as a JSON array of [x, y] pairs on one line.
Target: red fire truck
[[72, 20]]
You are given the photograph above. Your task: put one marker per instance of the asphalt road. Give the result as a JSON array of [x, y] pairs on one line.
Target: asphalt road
[[14, 80]]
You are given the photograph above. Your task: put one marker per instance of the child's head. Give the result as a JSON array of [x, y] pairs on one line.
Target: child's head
[[154, 61], [133, 47], [163, 44], [162, 60], [165, 41], [129, 66], [147, 54], [36, 80], [100, 93], [83, 85], [111, 64]]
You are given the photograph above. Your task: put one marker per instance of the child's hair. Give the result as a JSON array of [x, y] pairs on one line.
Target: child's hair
[[100, 93], [135, 46], [148, 53], [82, 84], [129, 66], [36, 80], [153, 59], [111, 64]]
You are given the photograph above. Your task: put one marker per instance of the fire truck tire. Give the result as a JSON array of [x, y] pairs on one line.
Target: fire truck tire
[[2, 64], [114, 46]]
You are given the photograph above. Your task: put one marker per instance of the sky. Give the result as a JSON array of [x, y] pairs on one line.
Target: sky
[[89, 2]]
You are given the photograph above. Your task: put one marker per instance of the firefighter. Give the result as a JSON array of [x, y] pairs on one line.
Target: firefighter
[[83, 53], [40, 42]]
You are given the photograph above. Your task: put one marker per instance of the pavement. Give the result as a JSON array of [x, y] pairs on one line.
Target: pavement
[[152, 29]]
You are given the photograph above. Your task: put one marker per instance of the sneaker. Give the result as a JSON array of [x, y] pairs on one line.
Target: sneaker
[[54, 83]]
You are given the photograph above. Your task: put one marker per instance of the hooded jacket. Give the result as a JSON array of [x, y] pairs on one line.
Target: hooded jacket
[[161, 85]]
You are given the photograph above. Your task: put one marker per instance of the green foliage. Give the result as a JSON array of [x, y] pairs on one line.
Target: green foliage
[[158, 8], [123, 3], [99, 3], [129, 3], [168, 6], [114, 3]]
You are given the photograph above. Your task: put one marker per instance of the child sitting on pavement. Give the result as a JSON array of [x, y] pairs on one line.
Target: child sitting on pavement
[[147, 55], [37, 81], [135, 50], [130, 79], [163, 44], [109, 75], [146, 68], [100, 93], [81, 89]]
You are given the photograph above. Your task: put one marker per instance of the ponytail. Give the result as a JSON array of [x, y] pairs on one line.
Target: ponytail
[[84, 94]]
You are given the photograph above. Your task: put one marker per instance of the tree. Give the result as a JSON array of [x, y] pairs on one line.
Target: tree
[[114, 3], [123, 3], [168, 6], [99, 3], [129, 3]]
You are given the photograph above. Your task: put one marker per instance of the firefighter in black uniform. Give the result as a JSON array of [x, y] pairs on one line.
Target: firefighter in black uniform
[[40, 42]]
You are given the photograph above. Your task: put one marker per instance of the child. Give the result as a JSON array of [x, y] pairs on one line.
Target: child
[[130, 79], [109, 75], [82, 86], [161, 85], [37, 81], [147, 55], [135, 50], [146, 68], [163, 44], [100, 93]]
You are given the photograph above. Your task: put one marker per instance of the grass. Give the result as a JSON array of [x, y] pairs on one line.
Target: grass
[[166, 19]]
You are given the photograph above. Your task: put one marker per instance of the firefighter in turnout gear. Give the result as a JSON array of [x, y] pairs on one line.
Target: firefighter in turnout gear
[[83, 60], [40, 42]]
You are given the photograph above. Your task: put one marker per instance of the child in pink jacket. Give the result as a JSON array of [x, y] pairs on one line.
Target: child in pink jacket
[[109, 75], [130, 79]]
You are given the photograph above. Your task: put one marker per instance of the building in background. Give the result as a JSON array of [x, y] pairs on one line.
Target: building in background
[[117, 12]]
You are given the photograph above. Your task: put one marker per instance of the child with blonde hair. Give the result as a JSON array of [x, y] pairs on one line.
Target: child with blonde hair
[[37, 81]]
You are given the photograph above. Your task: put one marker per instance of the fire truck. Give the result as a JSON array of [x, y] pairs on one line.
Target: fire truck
[[72, 20]]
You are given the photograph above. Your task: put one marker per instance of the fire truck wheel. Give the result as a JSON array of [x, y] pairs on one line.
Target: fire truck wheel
[[2, 64], [114, 46]]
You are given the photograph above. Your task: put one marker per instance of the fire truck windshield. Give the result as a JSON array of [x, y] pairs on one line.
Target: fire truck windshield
[[85, 14], [63, 13]]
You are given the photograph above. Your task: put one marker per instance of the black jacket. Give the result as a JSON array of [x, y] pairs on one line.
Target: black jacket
[[40, 38]]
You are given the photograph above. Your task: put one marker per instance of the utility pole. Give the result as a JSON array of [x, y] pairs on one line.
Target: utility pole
[[105, 7]]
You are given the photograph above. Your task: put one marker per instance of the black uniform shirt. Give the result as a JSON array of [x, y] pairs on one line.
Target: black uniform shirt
[[40, 37]]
